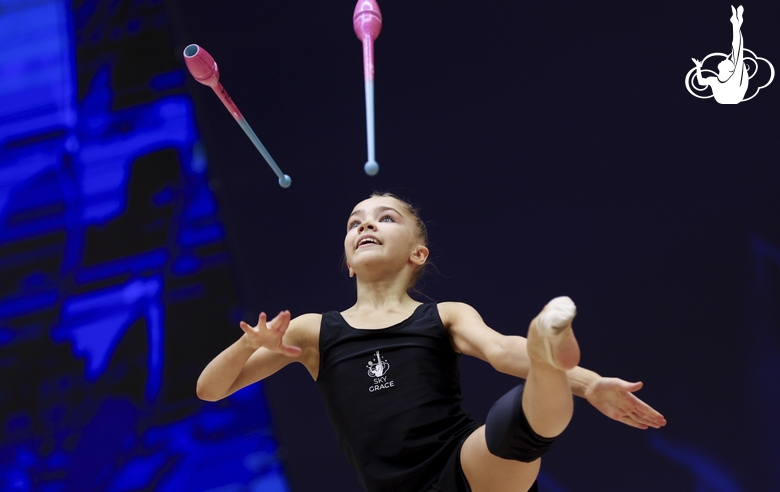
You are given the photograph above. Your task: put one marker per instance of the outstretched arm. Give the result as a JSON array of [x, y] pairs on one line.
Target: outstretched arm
[[611, 396], [260, 352]]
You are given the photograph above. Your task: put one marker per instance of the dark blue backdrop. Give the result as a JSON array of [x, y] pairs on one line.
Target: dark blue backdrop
[[554, 150]]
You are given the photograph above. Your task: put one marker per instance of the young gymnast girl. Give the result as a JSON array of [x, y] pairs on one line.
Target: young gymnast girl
[[387, 370]]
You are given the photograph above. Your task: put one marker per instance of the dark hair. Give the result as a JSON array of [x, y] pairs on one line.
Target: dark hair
[[422, 231]]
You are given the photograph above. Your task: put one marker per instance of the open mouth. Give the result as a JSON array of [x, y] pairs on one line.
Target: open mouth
[[367, 241]]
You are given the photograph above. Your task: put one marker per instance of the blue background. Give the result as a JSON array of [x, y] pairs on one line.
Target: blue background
[[553, 148], [112, 257]]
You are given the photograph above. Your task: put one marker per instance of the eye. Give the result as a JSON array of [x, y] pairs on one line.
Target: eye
[[353, 224], [388, 217]]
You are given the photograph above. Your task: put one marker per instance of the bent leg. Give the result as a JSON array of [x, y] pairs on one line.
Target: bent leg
[[487, 472], [553, 349], [505, 455], [507, 432]]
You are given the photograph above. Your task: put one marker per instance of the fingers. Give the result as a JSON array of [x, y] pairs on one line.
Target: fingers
[[629, 421], [245, 327], [653, 419], [644, 414], [644, 408], [632, 387], [280, 322], [290, 351], [615, 398], [634, 409], [635, 419], [644, 420], [650, 414], [269, 334]]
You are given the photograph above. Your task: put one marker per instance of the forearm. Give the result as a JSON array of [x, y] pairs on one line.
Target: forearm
[[580, 380], [512, 358], [219, 375]]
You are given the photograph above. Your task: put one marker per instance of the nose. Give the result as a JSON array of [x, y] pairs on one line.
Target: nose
[[366, 225]]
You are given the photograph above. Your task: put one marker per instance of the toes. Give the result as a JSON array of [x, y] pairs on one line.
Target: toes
[[557, 315]]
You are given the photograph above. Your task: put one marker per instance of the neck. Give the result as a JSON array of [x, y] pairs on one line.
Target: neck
[[383, 294]]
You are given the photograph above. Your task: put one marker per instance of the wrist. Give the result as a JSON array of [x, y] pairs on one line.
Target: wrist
[[581, 380], [245, 345]]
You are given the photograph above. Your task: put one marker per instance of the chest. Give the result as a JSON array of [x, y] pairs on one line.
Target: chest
[[388, 363], [377, 320]]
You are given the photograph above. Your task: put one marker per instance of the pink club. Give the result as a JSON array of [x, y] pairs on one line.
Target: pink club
[[367, 21], [204, 69]]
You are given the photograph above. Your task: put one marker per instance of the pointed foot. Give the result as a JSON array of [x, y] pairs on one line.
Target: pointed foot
[[551, 339]]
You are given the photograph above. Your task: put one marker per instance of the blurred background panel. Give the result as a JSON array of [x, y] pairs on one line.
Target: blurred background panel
[[116, 280]]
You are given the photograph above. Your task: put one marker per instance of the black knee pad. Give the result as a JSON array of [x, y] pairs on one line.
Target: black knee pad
[[508, 433]]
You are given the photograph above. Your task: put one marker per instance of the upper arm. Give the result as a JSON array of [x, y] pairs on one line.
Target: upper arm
[[303, 332], [471, 336], [468, 332]]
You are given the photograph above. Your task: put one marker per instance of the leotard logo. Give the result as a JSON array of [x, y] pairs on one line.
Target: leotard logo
[[377, 369], [730, 84]]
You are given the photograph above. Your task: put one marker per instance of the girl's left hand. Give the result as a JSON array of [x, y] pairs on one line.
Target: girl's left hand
[[614, 398]]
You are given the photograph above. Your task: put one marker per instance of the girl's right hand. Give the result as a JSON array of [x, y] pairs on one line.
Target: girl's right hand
[[269, 335]]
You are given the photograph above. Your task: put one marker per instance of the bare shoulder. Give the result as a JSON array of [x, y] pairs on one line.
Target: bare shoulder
[[308, 321], [468, 332], [304, 331], [453, 312]]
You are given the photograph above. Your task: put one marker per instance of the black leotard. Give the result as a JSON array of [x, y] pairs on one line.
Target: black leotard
[[393, 398]]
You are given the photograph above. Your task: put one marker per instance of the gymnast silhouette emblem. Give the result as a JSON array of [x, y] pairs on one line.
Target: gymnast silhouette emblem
[[730, 83], [377, 367]]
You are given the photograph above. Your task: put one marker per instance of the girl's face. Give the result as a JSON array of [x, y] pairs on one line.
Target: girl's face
[[382, 238]]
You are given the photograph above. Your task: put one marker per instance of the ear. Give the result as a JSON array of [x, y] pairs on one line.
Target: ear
[[351, 271], [419, 255]]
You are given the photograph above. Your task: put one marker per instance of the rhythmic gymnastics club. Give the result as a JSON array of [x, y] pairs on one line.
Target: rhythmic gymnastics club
[[203, 67], [367, 22]]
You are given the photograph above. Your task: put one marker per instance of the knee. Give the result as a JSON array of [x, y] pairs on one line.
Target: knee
[[507, 432]]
